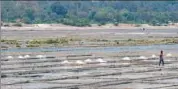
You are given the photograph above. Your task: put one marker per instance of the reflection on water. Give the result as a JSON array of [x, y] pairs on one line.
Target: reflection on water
[[93, 49]]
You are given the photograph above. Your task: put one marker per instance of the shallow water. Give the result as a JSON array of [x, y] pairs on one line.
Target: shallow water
[[94, 49]]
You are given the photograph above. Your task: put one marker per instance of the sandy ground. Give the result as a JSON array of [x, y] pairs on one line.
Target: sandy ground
[[85, 32], [93, 26], [115, 73]]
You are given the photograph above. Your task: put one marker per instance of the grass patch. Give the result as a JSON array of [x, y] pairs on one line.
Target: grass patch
[[33, 45], [55, 41], [9, 41]]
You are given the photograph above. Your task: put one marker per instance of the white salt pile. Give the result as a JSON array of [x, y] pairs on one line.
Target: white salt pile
[[126, 58], [169, 55], [100, 60], [26, 56], [153, 56], [88, 60], [20, 57], [40, 56], [142, 57], [79, 62], [65, 62], [9, 57]]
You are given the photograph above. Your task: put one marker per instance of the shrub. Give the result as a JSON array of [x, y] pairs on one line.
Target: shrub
[[129, 39], [116, 24], [137, 25], [76, 22], [34, 42], [17, 24], [63, 41], [52, 41], [18, 45], [74, 88], [11, 41], [101, 23], [3, 76], [6, 25], [33, 45], [2, 40]]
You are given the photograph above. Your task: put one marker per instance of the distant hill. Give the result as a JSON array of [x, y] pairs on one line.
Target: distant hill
[[83, 13]]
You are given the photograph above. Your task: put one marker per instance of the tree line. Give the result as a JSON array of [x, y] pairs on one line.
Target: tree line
[[84, 13]]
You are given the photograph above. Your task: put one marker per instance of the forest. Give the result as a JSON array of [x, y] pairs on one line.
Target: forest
[[85, 13]]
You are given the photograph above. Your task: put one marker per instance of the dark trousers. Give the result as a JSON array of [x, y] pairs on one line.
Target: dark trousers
[[161, 61]]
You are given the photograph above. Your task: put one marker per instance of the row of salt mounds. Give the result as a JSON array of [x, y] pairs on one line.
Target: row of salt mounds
[[26, 56], [11, 57], [84, 62], [167, 55], [143, 57]]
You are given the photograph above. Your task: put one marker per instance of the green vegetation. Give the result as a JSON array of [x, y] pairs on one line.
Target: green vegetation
[[68, 41], [129, 39], [55, 41], [84, 13], [33, 45], [9, 41], [3, 76], [17, 24]]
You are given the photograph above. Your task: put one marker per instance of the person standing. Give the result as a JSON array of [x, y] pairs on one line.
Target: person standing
[[161, 60]]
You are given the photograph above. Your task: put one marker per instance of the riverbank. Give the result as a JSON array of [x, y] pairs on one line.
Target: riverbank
[[92, 27]]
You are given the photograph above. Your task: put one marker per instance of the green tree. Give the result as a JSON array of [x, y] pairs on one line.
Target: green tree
[[58, 9]]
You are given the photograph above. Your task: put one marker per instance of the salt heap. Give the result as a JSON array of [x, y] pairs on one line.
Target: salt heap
[[142, 57], [65, 62], [9, 57], [126, 58], [88, 60], [20, 57], [153, 56], [40, 56], [169, 55], [79, 62], [26, 56], [100, 60]]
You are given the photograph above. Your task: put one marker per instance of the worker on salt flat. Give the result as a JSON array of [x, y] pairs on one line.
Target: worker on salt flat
[[161, 60]]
